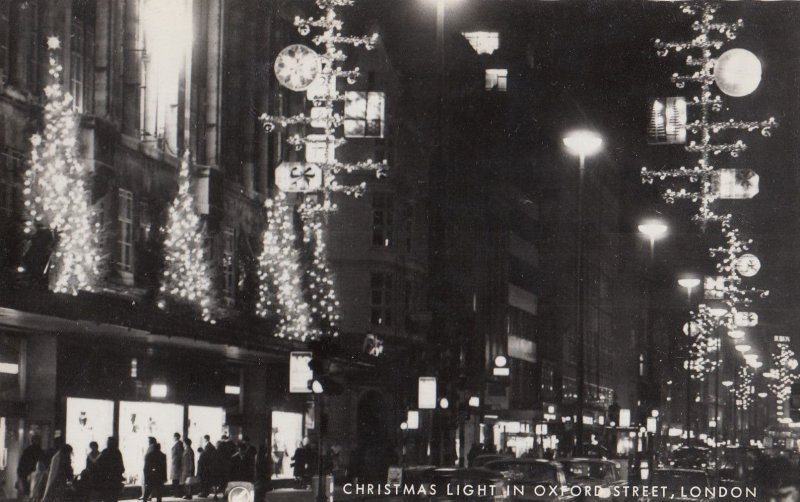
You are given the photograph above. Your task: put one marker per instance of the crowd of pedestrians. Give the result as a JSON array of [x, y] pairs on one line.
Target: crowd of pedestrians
[[47, 475]]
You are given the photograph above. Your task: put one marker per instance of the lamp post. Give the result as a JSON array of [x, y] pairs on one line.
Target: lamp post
[[583, 144], [653, 230], [689, 283]]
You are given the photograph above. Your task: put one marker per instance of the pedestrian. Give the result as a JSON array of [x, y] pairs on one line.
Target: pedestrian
[[261, 476], [215, 468], [59, 476], [242, 466], [27, 464], [187, 468], [108, 471], [301, 460], [226, 450], [94, 454], [203, 472], [38, 481], [155, 471], [175, 462]]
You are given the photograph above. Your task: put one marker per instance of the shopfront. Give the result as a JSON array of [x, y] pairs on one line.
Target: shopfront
[[287, 435]]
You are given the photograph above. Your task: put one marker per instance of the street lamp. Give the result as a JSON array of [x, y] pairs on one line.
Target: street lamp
[[653, 230], [689, 283], [582, 143]]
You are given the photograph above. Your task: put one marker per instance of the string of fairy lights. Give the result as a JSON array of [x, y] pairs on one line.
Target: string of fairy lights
[[56, 191], [187, 269], [736, 73], [300, 68]]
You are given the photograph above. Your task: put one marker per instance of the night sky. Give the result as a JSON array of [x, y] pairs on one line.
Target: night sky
[[596, 66]]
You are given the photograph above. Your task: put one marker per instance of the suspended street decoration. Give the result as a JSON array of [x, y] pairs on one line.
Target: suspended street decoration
[[737, 73], [300, 68]]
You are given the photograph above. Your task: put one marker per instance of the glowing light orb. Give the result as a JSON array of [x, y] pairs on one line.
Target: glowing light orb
[[296, 67], [737, 72]]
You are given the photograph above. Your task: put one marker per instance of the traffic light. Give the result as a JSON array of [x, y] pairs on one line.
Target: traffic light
[[322, 351]]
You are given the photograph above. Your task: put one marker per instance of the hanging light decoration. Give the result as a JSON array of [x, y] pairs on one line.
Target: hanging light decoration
[[737, 72]]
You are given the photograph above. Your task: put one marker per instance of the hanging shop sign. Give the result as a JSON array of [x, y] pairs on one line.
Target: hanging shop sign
[[667, 124], [734, 183], [427, 393], [298, 177]]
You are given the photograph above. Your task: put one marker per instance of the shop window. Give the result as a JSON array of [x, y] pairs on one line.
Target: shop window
[[166, 33], [138, 420], [381, 299], [496, 79], [364, 114], [206, 421], [382, 219], [229, 263], [287, 437], [125, 230], [88, 420]]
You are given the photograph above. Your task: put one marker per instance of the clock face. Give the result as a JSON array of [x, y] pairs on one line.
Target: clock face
[[296, 67], [748, 265]]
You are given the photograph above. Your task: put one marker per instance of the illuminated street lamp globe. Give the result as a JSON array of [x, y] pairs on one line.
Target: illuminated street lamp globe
[[743, 347], [583, 143], [737, 72], [727, 383], [736, 334], [653, 230]]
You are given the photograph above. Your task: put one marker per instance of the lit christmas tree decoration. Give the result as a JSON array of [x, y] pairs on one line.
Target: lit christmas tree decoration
[[187, 270], [56, 191], [706, 72], [280, 274]]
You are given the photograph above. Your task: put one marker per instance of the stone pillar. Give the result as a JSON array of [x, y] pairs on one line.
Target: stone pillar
[[254, 403], [213, 83]]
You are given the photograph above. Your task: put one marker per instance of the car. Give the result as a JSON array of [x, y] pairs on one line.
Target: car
[[600, 476], [531, 479], [679, 484], [692, 457], [485, 458], [459, 483]]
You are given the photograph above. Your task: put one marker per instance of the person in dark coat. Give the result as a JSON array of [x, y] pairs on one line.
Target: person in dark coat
[[215, 474], [175, 462], [59, 475], [187, 468], [302, 461], [155, 471], [27, 463], [242, 466], [226, 450], [263, 471], [108, 471], [203, 472]]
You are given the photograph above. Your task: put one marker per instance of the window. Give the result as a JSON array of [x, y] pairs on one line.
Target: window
[[125, 230], [11, 173], [363, 114], [496, 79], [228, 263], [381, 299], [382, 219], [77, 65], [548, 379], [667, 121], [484, 42], [166, 32]]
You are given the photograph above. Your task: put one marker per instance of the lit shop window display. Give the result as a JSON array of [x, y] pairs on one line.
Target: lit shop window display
[[88, 420], [205, 421], [137, 422], [287, 436]]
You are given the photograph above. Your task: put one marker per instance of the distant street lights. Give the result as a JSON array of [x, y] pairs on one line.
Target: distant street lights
[[582, 143], [689, 283]]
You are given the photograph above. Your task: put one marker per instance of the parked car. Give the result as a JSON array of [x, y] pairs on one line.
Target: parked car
[[692, 457], [601, 476], [531, 479], [678, 484], [485, 458], [456, 484]]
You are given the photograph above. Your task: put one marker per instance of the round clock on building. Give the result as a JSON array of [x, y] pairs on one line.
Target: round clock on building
[[296, 67], [748, 265]]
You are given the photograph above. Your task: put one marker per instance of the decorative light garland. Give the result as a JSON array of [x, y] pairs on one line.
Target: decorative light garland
[[711, 35], [280, 289], [187, 271], [783, 373], [745, 388], [56, 192], [322, 306]]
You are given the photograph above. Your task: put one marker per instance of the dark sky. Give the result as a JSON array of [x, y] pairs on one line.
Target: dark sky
[[596, 66]]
